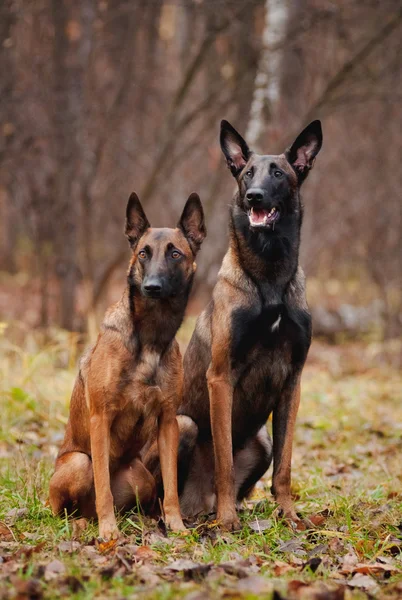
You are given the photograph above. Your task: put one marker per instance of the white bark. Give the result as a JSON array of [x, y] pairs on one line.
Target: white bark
[[267, 81]]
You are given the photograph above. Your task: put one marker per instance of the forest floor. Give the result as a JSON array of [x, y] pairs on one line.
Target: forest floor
[[346, 479]]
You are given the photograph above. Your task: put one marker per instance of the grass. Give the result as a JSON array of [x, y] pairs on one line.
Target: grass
[[346, 478]]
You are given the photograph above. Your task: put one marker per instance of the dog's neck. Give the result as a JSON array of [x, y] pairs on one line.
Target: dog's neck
[[269, 258], [154, 323]]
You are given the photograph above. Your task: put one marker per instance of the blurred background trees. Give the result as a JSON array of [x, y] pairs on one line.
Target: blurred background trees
[[99, 98]]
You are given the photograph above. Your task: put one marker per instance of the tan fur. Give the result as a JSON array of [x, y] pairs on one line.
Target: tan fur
[[128, 390]]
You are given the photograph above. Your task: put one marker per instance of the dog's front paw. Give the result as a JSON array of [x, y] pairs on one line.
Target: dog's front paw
[[229, 521], [175, 523], [108, 529]]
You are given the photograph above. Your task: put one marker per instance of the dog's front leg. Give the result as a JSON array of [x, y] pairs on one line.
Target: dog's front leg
[[220, 399], [100, 451], [168, 442], [284, 419]]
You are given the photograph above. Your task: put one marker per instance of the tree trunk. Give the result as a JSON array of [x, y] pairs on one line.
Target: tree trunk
[[72, 19], [7, 79], [267, 82]]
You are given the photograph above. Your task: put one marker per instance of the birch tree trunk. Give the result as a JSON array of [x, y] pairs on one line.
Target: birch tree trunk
[[266, 95]]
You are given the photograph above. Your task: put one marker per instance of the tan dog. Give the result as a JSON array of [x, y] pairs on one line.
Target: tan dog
[[130, 382]]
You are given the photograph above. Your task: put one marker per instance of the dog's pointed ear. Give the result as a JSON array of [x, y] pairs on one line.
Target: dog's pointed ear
[[234, 148], [192, 222], [136, 221], [301, 154]]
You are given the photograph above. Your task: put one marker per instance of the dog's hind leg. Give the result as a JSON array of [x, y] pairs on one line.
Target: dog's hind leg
[[198, 494], [194, 468], [188, 432], [251, 462], [72, 485], [133, 485]]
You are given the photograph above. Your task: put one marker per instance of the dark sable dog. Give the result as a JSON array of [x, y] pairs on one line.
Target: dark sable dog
[[247, 352], [130, 382]]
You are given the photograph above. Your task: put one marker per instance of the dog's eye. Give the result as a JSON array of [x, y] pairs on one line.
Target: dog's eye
[[142, 254], [175, 254], [278, 174], [249, 173]]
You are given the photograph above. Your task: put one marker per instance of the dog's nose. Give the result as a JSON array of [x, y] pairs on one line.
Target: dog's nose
[[153, 286], [255, 195]]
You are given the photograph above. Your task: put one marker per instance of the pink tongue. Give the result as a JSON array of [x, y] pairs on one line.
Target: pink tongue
[[258, 216]]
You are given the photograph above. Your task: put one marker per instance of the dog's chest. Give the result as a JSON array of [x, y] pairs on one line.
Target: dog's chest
[[266, 347], [255, 331], [129, 431], [140, 405]]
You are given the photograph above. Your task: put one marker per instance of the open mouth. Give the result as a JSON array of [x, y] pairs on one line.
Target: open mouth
[[262, 217]]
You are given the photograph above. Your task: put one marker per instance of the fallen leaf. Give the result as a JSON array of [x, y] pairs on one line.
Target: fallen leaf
[[147, 576], [317, 519], [295, 585], [336, 545], [145, 553], [293, 545], [16, 513], [260, 525], [130, 549], [156, 537], [363, 581], [216, 575], [54, 569], [364, 546], [315, 591], [182, 564], [281, 567], [105, 547], [255, 585], [27, 551], [337, 470], [69, 546], [376, 567], [28, 535], [319, 549], [240, 568], [349, 562], [89, 551], [5, 533]]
